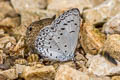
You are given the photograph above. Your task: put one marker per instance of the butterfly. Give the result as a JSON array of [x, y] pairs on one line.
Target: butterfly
[[58, 40]]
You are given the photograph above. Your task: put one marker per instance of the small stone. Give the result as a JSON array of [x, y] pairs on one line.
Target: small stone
[[102, 12], [39, 73], [8, 16], [19, 68], [80, 61], [6, 39], [4, 66], [101, 67], [2, 57], [112, 46], [27, 18], [112, 26], [4, 9], [65, 72], [20, 61], [116, 78], [33, 58], [21, 30], [11, 19], [92, 39], [58, 5], [10, 74], [19, 44], [8, 45], [2, 31], [96, 2], [2, 77], [94, 77], [29, 5]]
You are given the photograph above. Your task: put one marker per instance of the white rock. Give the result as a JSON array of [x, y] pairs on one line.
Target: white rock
[[60, 5], [10, 74], [101, 67], [102, 12], [38, 72], [113, 25], [116, 78], [2, 31], [112, 46], [67, 73], [6, 39], [28, 5], [96, 2], [4, 9], [19, 68]]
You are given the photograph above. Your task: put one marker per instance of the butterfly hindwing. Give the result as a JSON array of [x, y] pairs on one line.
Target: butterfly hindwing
[[60, 38]]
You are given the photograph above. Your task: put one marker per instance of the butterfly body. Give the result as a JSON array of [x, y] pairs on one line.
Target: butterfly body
[[58, 40]]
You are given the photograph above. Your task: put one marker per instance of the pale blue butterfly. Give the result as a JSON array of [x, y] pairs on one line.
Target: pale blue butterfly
[[58, 41]]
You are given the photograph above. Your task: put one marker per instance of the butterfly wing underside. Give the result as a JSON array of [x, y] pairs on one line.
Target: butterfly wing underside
[[60, 38]]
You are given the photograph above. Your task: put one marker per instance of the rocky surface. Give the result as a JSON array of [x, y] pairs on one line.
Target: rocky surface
[[28, 5], [66, 4], [92, 39], [99, 33], [99, 66], [9, 74], [8, 16], [112, 45], [96, 3], [102, 12], [116, 78], [67, 73], [112, 26], [39, 72]]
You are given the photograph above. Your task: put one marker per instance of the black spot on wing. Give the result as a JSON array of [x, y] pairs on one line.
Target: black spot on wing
[[68, 21], [71, 31], [58, 37], [62, 28], [50, 46], [50, 54], [65, 24], [75, 23], [48, 42], [61, 33], [65, 45], [50, 38], [56, 57]]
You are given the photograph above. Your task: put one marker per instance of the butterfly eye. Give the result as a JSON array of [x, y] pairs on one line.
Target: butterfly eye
[[30, 28]]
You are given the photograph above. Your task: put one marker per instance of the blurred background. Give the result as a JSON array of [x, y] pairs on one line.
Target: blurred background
[[100, 17]]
